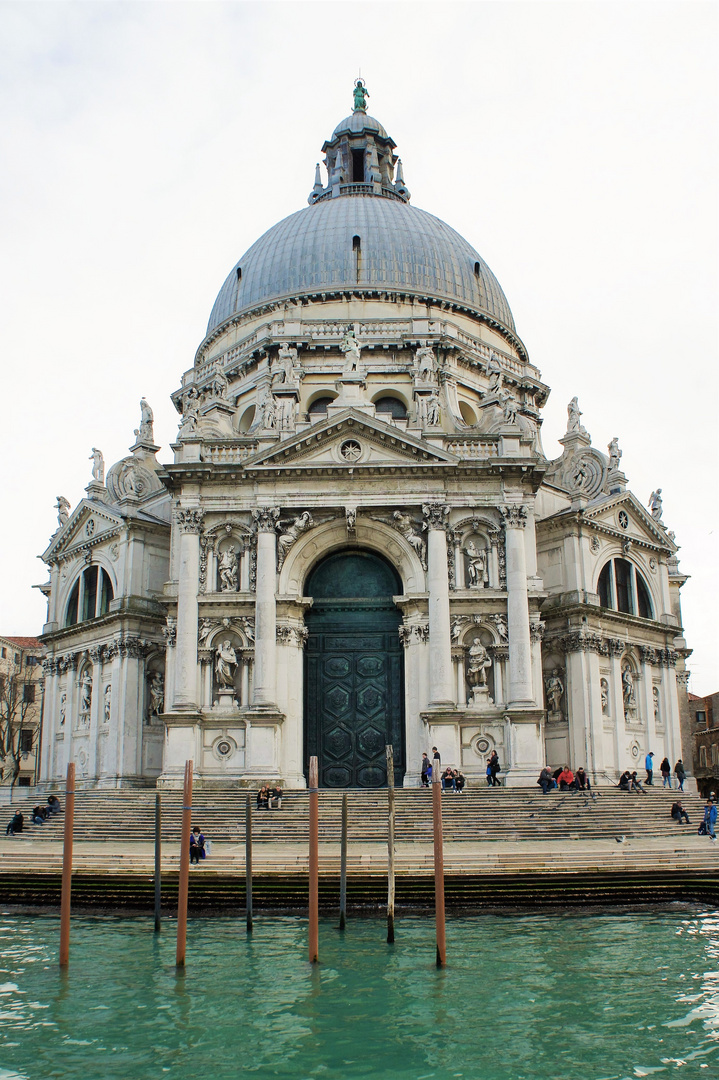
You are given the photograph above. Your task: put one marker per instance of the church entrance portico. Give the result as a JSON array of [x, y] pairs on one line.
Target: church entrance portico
[[354, 681]]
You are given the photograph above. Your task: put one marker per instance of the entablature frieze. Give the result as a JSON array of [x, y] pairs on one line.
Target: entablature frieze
[[586, 641]]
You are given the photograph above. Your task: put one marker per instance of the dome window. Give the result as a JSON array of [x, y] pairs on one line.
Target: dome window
[[239, 273], [476, 269], [390, 407], [623, 588], [358, 166], [356, 243]]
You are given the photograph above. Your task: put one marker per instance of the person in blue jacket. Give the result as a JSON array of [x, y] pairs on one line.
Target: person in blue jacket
[[649, 766], [710, 818]]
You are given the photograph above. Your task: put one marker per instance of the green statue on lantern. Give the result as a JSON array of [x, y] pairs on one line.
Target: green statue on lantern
[[360, 96]]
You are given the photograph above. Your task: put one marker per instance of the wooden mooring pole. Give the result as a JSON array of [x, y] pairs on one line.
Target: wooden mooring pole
[[184, 867], [66, 894], [343, 864], [158, 861], [248, 861], [438, 865], [390, 845], [314, 946]]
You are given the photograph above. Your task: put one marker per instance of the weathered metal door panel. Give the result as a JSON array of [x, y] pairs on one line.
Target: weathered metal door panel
[[354, 679]]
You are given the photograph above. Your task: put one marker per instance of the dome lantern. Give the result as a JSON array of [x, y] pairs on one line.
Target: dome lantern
[[360, 158]]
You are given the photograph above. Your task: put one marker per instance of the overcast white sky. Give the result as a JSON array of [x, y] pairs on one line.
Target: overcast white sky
[[145, 146]]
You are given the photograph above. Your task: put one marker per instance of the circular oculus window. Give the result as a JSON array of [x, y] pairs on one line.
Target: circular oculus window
[[623, 519], [350, 450]]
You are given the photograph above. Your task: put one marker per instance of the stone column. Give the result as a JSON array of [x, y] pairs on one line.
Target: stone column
[[520, 655], [245, 692], [441, 688], [671, 719], [189, 523], [647, 686], [265, 607], [616, 703]]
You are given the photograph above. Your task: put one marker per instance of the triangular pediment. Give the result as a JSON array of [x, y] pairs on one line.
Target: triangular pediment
[[351, 439], [623, 515], [89, 522]]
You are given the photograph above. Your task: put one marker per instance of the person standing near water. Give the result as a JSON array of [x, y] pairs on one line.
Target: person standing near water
[[710, 818]]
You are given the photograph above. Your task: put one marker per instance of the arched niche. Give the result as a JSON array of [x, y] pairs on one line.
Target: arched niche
[[154, 686], [488, 637], [332, 536], [225, 558], [476, 553]]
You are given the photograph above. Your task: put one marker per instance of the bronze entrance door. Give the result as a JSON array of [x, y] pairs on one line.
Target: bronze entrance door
[[354, 679]]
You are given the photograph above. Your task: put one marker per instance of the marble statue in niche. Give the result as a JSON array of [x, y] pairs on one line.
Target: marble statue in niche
[[554, 689], [107, 703], [604, 690], [156, 687], [477, 576], [227, 569]]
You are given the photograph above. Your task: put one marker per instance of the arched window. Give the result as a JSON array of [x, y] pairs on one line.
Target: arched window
[[389, 406], [319, 406], [623, 588], [90, 596], [703, 757]]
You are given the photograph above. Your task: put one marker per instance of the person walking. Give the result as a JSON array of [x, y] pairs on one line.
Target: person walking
[[710, 818], [649, 766], [426, 770], [666, 771], [681, 774], [495, 768]]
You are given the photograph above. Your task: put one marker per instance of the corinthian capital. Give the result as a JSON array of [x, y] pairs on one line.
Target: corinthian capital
[[436, 515], [515, 517], [266, 518], [190, 521]]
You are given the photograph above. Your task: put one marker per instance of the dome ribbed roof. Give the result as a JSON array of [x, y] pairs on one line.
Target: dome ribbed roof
[[357, 122], [403, 249]]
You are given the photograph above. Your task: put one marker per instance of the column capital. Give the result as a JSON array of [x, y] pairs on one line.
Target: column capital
[[265, 518], [436, 515], [190, 520], [515, 517]]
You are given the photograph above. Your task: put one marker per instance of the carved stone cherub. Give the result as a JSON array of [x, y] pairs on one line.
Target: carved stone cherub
[[403, 523]]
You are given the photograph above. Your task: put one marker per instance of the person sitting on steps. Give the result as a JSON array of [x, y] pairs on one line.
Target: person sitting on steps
[[679, 813], [448, 780], [636, 784], [566, 780], [275, 798], [15, 824], [582, 780], [546, 780], [625, 781], [53, 805], [459, 781]]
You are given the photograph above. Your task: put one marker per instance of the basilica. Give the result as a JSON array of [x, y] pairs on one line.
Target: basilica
[[358, 539]]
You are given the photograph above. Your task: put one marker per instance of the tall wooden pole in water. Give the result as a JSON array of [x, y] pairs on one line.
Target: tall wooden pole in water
[[390, 845], [343, 864], [438, 864], [248, 861], [314, 945], [67, 866], [184, 867], [158, 861]]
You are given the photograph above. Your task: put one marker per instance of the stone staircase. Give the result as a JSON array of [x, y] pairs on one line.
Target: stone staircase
[[499, 814], [504, 848]]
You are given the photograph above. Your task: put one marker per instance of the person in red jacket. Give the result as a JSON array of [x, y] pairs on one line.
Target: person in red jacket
[[566, 779]]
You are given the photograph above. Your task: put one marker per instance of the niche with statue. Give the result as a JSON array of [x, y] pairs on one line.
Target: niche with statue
[[479, 668]]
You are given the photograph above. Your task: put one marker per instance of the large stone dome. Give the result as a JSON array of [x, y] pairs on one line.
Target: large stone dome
[[401, 249]]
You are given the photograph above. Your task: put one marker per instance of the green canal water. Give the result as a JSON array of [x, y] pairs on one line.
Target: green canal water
[[570, 997]]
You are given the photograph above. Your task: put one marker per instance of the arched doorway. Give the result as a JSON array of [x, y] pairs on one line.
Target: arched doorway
[[354, 680]]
